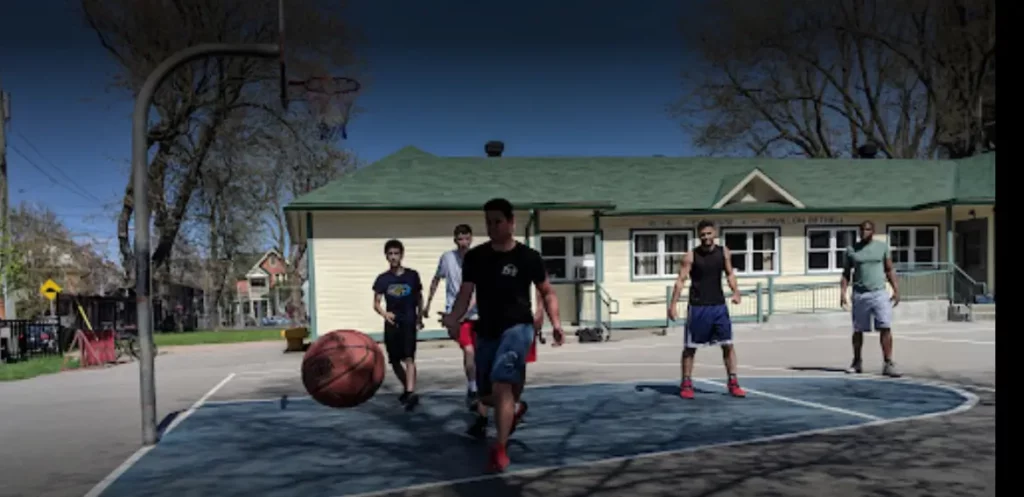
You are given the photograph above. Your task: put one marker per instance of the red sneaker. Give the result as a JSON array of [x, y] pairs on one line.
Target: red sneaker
[[735, 390], [498, 459], [686, 389], [521, 409]]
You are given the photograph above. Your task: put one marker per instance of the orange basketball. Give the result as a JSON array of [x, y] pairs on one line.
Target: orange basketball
[[343, 368]]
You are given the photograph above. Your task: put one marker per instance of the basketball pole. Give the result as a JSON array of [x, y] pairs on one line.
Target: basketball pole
[[140, 197]]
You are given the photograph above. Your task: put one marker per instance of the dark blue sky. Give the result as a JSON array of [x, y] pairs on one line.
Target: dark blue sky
[[566, 77]]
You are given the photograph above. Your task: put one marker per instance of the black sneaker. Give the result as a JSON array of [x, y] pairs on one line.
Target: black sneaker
[[412, 401], [478, 429], [472, 399], [403, 398]]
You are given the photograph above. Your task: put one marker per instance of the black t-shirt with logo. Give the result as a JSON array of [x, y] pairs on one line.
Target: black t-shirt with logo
[[401, 293], [502, 281]]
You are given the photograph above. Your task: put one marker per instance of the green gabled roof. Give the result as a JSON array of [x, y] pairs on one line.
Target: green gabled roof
[[412, 179], [729, 181], [732, 181], [976, 178]]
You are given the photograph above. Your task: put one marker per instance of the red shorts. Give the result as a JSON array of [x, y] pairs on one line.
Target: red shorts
[[467, 335]]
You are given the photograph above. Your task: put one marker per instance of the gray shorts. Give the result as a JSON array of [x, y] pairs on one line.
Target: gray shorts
[[875, 305]]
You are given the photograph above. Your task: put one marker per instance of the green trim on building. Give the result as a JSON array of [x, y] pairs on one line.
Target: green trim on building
[[536, 228], [311, 277], [598, 266]]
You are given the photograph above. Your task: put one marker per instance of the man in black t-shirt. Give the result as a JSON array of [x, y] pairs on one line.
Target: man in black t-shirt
[[501, 273], [402, 291]]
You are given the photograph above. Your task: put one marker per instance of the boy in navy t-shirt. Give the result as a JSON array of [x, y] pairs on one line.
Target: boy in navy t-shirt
[[402, 292]]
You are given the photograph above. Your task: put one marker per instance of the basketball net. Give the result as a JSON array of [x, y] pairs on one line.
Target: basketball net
[[332, 100]]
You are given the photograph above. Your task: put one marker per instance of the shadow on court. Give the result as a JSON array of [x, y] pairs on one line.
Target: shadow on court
[[258, 448]]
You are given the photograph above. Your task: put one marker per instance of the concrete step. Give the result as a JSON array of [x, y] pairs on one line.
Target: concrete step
[[983, 312]]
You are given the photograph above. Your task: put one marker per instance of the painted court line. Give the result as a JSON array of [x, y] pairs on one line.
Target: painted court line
[[970, 400], [258, 375], [199, 403], [861, 376], [791, 400], [591, 349], [946, 340], [616, 346], [100, 487]]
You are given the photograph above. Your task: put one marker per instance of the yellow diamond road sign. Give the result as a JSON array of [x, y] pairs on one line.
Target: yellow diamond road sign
[[50, 289]]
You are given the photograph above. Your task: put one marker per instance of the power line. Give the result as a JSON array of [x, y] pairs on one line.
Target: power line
[[55, 167], [50, 176]]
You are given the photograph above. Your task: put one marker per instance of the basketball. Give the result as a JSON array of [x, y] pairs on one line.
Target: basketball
[[343, 368]]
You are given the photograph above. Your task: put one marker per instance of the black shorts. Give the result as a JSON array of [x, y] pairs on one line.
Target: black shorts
[[400, 341]]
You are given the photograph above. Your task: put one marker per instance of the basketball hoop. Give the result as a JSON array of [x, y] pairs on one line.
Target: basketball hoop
[[332, 99]]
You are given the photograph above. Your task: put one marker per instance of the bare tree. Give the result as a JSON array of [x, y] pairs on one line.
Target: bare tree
[[193, 106], [296, 167], [45, 248], [230, 206], [817, 79]]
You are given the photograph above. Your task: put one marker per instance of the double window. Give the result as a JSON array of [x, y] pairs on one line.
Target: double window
[[826, 247], [658, 254], [564, 253], [914, 247], [755, 251]]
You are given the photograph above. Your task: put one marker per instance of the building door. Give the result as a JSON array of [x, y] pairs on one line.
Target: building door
[[972, 248]]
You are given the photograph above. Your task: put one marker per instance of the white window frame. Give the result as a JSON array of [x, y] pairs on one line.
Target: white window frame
[[913, 229], [833, 249], [571, 261], [661, 254], [749, 253]]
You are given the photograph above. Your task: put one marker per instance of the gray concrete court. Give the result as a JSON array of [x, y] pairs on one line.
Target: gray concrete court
[[61, 435]]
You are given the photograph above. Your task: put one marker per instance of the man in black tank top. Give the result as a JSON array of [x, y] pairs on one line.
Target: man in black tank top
[[707, 317]]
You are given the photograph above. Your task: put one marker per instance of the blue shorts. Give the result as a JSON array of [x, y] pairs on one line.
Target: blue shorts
[[872, 307], [502, 359], [708, 325]]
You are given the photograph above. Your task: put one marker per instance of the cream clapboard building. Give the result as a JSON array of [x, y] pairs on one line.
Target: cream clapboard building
[[612, 230]]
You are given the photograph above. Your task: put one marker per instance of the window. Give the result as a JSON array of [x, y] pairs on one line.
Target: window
[[826, 247], [257, 282], [658, 254], [754, 251], [562, 254], [913, 247]]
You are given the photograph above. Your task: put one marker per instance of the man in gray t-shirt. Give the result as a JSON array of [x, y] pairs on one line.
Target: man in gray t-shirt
[[449, 268], [868, 266]]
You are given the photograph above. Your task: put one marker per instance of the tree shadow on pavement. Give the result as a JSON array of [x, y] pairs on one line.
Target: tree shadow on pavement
[[947, 456], [950, 455]]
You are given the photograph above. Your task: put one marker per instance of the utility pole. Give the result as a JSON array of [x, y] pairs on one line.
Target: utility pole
[[5, 202]]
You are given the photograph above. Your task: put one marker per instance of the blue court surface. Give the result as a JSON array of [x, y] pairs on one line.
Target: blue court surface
[[258, 448]]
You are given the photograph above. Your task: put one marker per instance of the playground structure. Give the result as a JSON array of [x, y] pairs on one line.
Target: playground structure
[[96, 330], [113, 338]]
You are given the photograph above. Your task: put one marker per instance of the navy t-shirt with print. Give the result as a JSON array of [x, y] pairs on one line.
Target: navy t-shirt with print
[[502, 281], [401, 293]]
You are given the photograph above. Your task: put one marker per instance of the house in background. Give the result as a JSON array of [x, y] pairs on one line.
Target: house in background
[[613, 230], [262, 290]]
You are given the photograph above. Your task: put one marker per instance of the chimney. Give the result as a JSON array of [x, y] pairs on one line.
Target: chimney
[[494, 148], [867, 151]]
